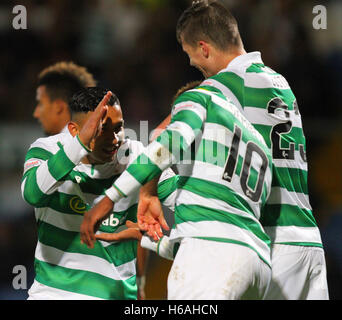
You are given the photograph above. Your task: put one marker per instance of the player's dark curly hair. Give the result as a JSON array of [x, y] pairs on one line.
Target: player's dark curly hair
[[64, 78], [87, 99], [211, 21]]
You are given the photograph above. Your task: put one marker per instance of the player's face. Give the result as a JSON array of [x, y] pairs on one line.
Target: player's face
[[107, 143], [197, 58], [45, 111]]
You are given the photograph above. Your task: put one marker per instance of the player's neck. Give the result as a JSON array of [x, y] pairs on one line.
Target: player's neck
[[225, 59]]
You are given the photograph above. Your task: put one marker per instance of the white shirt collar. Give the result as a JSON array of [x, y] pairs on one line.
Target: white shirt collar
[[243, 59]]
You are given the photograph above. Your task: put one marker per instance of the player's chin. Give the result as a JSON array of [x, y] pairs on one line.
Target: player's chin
[[108, 155]]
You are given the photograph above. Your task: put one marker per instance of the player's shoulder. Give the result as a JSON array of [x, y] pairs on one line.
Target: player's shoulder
[[51, 143]]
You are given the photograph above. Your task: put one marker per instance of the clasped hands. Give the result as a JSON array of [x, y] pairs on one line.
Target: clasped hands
[[150, 220]]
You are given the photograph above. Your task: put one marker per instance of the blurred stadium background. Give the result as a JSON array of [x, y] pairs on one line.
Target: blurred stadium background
[[131, 48]]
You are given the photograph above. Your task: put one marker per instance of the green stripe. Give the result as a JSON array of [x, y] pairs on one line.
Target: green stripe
[[38, 153], [174, 142], [292, 179], [258, 68], [196, 213], [212, 190], [193, 96], [286, 215], [235, 242], [295, 136], [305, 244], [166, 187], [189, 117], [259, 98], [212, 152], [60, 165], [143, 169], [69, 241], [222, 117], [85, 282], [32, 194], [90, 185], [81, 143], [232, 81]]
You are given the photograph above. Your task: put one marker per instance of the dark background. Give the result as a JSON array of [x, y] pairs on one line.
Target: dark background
[[130, 46]]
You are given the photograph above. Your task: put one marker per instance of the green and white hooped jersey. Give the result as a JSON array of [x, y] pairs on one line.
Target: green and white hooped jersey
[[268, 102], [224, 172], [61, 189]]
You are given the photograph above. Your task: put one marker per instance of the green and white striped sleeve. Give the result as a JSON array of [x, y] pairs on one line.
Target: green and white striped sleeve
[[187, 118], [45, 168], [167, 188], [163, 247]]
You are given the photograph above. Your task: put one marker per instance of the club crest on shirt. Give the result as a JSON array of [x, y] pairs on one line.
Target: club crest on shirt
[[77, 205]]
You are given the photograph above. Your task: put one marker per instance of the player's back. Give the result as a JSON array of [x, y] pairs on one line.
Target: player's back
[[268, 102], [224, 178]]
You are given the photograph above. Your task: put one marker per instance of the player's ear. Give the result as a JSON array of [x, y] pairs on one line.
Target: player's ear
[[204, 48], [73, 128]]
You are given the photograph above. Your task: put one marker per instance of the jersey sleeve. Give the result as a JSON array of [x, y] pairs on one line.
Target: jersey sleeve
[[167, 188], [164, 247], [187, 118], [45, 168]]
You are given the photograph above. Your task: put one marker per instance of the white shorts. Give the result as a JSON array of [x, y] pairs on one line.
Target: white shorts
[[298, 273], [212, 270]]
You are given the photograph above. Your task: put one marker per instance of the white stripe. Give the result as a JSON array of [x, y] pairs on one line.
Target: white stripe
[[214, 174], [189, 198], [127, 184], [218, 229], [282, 196], [234, 111], [184, 130], [170, 201], [222, 135], [217, 132], [297, 163], [262, 117], [45, 181], [265, 80], [225, 91], [22, 187], [31, 163], [293, 234], [160, 155], [84, 262], [71, 188], [65, 221], [75, 151], [113, 194], [39, 291], [189, 105]]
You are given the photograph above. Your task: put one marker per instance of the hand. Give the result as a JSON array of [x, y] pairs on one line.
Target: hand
[[93, 125], [92, 220], [151, 217], [132, 233]]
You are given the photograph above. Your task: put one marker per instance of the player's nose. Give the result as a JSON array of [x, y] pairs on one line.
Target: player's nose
[[36, 112]]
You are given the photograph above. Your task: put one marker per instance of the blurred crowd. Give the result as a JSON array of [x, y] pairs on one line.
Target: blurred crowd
[[130, 46]]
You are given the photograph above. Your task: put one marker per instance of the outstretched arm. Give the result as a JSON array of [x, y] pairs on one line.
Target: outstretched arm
[[186, 123]]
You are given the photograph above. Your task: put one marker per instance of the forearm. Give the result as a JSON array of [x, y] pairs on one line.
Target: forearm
[[146, 167], [167, 149]]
